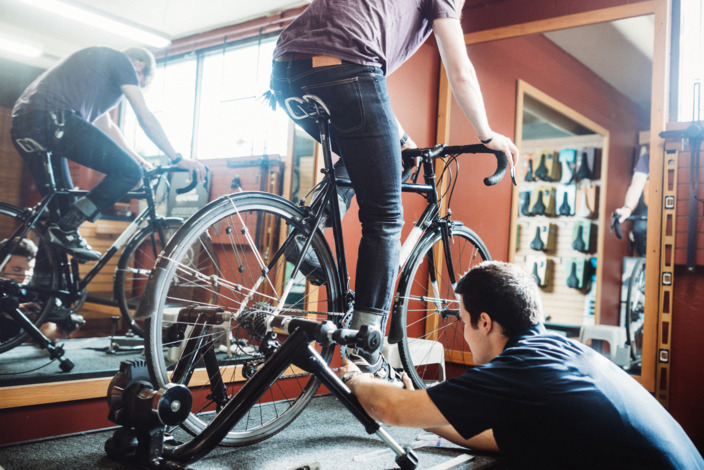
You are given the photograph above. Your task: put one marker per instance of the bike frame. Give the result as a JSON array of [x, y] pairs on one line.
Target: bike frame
[[75, 283]]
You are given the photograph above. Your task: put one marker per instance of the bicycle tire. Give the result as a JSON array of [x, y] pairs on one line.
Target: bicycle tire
[[241, 227], [426, 307], [635, 311], [135, 264], [46, 271]]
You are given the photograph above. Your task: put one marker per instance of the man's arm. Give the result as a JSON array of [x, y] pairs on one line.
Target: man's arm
[[151, 126], [391, 405], [632, 195], [465, 85]]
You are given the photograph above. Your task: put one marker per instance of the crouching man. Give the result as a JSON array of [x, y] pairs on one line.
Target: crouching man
[[541, 400]]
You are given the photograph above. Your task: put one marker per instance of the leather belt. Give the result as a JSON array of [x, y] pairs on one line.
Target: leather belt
[[316, 60]]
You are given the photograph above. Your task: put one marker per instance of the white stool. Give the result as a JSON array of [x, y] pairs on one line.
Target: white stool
[[614, 335], [423, 351]]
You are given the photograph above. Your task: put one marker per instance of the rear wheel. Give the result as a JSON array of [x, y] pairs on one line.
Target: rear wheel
[[433, 346], [635, 313], [135, 264], [36, 300], [212, 353]]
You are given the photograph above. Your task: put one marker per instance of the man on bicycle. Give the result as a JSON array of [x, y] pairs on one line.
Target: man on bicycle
[[65, 111], [542, 400], [342, 52]]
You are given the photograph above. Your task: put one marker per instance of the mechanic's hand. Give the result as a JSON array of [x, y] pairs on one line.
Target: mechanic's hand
[[191, 165]]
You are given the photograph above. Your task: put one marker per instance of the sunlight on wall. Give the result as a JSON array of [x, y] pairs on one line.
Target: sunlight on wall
[[691, 61]]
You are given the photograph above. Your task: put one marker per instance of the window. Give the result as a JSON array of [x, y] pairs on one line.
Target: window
[[691, 66], [209, 104]]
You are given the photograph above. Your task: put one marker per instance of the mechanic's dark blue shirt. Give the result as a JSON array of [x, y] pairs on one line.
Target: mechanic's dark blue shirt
[[554, 403]]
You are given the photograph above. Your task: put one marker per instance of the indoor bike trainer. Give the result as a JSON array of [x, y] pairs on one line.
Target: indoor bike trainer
[[144, 413]]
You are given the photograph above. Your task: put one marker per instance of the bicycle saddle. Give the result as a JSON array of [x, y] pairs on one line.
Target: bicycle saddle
[[578, 243], [529, 174], [573, 280], [524, 205], [308, 106], [564, 208], [537, 243], [539, 206], [542, 171], [583, 171]]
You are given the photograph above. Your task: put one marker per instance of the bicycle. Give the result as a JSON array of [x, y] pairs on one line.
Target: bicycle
[[251, 232], [635, 303], [56, 283]]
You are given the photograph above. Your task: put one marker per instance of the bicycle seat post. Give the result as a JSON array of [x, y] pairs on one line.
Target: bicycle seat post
[[49, 169]]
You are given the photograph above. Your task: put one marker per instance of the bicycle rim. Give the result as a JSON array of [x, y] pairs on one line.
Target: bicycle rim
[[246, 231], [35, 306], [135, 264], [433, 347]]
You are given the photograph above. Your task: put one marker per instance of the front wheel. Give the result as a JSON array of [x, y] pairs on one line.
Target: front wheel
[[426, 307], [135, 264], [208, 350]]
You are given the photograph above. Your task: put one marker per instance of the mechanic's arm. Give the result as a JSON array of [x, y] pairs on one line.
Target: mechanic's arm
[[465, 85], [151, 126], [391, 405]]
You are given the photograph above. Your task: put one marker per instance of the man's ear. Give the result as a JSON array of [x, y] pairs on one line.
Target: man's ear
[[485, 323]]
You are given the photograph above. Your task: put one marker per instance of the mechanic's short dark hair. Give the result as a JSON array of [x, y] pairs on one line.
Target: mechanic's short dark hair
[[26, 248], [507, 293]]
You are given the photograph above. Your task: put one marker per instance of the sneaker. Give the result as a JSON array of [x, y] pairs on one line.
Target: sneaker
[[310, 267], [73, 243], [381, 369]]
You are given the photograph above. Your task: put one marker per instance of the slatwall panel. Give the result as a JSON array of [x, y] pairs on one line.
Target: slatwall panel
[[562, 304]]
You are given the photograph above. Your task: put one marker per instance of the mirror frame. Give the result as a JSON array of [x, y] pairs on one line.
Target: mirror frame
[[662, 12], [11, 397]]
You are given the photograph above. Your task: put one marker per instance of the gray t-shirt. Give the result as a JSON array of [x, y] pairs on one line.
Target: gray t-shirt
[[88, 82], [381, 33]]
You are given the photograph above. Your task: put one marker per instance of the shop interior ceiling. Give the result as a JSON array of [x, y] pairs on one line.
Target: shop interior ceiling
[[626, 65]]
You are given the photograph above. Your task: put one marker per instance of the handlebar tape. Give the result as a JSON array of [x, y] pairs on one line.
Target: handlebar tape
[[441, 150]]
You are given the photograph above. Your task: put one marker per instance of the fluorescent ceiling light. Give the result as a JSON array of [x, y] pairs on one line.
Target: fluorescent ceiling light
[[20, 46], [101, 21]]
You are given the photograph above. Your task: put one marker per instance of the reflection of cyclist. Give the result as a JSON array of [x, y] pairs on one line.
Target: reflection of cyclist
[[342, 52], [65, 111], [20, 268], [634, 203]]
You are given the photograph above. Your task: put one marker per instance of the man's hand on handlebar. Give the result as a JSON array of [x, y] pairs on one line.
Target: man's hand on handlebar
[[193, 166], [505, 145], [623, 213]]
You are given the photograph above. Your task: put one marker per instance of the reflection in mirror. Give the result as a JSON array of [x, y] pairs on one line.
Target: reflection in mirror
[[562, 217]]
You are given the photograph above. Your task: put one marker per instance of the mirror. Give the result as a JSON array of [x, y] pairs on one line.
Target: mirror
[[504, 56], [503, 100]]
